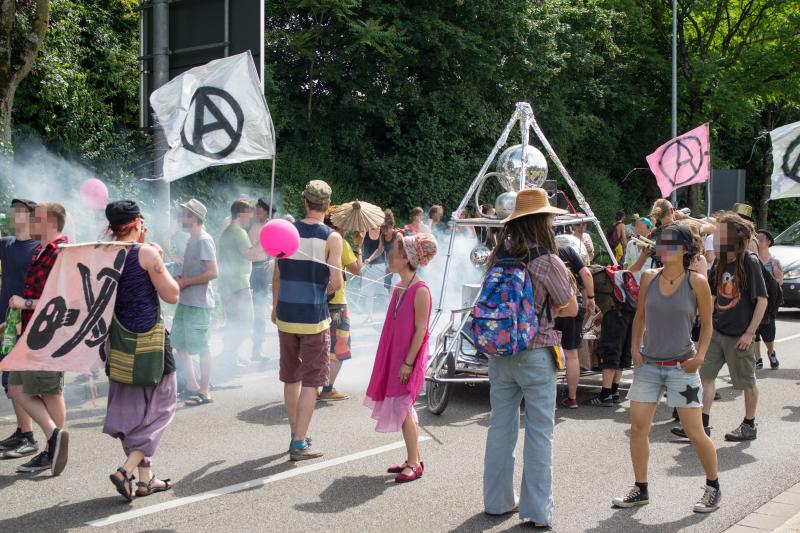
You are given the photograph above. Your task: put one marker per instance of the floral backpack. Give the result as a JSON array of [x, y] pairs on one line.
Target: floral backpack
[[504, 321]]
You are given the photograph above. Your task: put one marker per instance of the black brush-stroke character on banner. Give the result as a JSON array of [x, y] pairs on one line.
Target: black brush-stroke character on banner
[[93, 330]]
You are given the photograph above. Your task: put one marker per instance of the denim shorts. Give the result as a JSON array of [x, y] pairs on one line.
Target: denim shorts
[[650, 381]]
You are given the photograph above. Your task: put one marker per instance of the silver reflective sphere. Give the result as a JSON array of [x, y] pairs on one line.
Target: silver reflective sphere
[[505, 203], [479, 255], [510, 163]]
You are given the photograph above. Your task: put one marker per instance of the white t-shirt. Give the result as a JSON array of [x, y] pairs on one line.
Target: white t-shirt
[[632, 253], [708, 243]]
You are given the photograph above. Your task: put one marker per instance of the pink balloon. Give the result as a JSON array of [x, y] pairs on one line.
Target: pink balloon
[[95, 193], [279, 238]]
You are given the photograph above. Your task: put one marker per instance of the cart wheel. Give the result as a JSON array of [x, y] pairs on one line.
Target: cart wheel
[[438, 394]]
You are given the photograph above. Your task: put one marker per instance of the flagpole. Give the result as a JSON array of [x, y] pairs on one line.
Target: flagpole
[[674, 83]]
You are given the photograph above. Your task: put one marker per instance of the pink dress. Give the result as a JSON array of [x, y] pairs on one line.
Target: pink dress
[[389, 399]]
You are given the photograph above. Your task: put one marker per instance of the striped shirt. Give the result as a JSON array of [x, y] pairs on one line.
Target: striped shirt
[[302, 294]]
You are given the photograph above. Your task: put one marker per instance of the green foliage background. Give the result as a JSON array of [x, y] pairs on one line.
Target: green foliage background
[[399, 102]]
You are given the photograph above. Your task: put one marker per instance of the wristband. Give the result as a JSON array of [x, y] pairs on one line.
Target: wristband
[[409, 366]]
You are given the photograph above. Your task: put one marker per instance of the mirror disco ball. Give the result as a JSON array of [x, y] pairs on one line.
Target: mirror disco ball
[[479, 255], [505, 204], [510, 163]]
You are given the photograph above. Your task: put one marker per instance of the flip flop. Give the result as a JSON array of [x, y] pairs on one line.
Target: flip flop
[[188, 394], [200, 399], [150, 489]]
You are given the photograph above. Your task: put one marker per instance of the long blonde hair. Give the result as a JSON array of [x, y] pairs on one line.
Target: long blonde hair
[[661, 209]]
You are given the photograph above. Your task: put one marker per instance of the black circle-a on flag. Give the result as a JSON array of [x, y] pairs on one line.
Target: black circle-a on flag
[[213, 100]]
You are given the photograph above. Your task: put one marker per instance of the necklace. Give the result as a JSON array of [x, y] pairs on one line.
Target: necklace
[[672, 281], [403, 295]]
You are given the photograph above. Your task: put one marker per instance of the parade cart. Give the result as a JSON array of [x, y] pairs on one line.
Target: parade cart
[[454, 358]]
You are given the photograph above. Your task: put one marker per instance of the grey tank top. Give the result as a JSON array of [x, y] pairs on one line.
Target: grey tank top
[[668, 322]]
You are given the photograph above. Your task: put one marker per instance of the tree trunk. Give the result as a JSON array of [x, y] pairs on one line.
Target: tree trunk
[[16, 62], [766, 177], [6, 149]]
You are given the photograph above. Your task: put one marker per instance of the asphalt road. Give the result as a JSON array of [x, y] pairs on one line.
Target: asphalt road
[[212, 452]]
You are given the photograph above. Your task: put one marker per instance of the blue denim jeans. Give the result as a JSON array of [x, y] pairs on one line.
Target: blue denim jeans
[[531, 375]]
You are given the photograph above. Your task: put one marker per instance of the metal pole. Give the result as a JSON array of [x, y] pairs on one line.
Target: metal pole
[[674, 82], [161, 77]]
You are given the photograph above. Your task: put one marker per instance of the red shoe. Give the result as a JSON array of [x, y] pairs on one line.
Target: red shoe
[[415, 474], [396, 469]]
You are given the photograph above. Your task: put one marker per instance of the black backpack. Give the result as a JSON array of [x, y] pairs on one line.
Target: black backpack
[[774, 292]]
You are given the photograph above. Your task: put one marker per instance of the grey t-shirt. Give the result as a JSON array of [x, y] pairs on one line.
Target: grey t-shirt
[[198, 250]]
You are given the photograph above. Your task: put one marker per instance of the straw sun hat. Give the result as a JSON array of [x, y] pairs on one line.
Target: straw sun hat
[[533, 202]]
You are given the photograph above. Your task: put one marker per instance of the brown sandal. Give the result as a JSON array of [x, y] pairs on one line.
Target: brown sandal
[[146, 489], [125, 485]]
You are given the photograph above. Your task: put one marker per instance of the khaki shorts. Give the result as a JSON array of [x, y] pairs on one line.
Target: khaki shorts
[[741, 363], [38, 383], [305, 358]]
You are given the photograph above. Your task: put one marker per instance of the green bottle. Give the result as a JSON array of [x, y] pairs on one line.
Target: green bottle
[[13, 317]]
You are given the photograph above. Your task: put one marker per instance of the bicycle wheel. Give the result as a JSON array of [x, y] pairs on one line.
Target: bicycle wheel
[[438, 393]]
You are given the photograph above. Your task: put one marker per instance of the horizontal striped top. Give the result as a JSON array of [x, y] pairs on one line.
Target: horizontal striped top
[[304, 276]]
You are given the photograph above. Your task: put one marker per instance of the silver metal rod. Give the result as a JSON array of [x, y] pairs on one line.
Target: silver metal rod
[[524, 124], [226, 6], [674, 82], [160, 78], [200, 48], [457, 380], [499, 144]]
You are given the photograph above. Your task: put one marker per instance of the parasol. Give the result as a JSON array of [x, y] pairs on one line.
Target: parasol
[[357, 216]]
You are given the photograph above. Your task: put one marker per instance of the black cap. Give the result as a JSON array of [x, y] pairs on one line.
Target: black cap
[[680, 233], [768, 235], [30, 205], [263, 204], [122, 212]]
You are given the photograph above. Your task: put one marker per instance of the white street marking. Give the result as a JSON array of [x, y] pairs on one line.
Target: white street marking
[[179, 502]]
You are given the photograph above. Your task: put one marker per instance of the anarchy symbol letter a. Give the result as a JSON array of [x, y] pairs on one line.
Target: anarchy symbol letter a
[[202, 132]]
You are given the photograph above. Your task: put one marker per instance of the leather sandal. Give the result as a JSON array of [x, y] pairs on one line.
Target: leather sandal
[[146, 489], [396, 469], [125, 485], [416, 473]]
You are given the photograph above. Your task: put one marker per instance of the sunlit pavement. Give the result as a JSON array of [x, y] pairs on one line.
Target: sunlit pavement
[[231, 470]]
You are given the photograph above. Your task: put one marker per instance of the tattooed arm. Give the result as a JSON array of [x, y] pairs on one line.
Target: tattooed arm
[[166, 286]]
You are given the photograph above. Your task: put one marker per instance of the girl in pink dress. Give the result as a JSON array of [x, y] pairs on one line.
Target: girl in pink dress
[[399, 370]]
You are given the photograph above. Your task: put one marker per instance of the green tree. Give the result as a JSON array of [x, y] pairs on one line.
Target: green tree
[[22, 29]]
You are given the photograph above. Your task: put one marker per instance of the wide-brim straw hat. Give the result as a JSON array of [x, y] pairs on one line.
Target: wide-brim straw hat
[[533, 202]]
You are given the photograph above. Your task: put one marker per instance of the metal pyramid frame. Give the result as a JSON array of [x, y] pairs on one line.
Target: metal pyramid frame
[[524, 117]]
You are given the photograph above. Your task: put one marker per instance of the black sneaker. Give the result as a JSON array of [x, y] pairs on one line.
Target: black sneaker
[[616, 398], [675, 415], [709, 501], [679, 432], [634, 498], [600, 401], [26, 446], [58, 449], [773, 361], [11, 442], [759, 363], [742, 433], [37, 464]]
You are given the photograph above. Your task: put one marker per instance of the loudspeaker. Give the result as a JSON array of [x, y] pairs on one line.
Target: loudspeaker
[[725, 188]]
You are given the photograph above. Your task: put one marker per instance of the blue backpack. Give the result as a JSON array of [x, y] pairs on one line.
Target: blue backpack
[[504, 320]]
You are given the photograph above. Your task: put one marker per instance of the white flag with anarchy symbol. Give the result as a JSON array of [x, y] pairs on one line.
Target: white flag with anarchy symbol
[[785, 161], [215, 114]]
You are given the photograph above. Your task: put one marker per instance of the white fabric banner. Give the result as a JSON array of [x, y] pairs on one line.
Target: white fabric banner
[[213, 115], [785, 161], [69, 326]]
